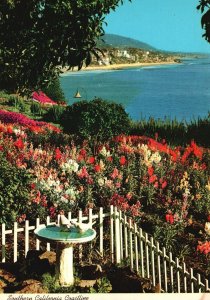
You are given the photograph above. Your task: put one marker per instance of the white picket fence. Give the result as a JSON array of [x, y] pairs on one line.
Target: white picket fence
[[128, 244]]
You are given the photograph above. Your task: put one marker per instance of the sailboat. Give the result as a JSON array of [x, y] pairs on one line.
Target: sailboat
[[77, 95]]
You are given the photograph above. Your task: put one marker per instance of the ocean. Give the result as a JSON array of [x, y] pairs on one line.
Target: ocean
[[180, 91]]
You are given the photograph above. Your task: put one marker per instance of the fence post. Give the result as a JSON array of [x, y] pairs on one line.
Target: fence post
[[101, 231], [131, 244], [165, 270], [117, 236], [158, 264], [171, 272], [136, 248], [126, 236], [80, 246], [15, 242], [152, 260], [199, 283], [184, 277], [141, 251], [26, 237], [178, 275], [147, 254], [191, 280], [121, 234], [48, 223], [111, 233], [37, 241], [3, 248]]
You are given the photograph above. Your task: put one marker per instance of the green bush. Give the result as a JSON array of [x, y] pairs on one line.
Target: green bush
[[36, 108], [173, 131], [14, 191], [98, 119], [54, 114], [54, 91], [17, 102]]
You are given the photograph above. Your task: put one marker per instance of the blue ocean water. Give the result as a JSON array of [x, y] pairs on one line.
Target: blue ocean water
[[180, 91]]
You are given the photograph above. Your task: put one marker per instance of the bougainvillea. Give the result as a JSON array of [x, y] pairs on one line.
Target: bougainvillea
[[42, 98]]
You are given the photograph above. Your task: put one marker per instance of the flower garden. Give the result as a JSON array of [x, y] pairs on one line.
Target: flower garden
[[165, 189]]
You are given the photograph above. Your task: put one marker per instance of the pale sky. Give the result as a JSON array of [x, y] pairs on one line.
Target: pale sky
[[172, 25]]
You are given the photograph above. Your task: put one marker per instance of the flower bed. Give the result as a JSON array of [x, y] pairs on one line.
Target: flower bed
[[42, 98], [166, 190]]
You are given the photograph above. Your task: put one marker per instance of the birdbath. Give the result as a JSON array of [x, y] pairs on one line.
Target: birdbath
[[65, 240]]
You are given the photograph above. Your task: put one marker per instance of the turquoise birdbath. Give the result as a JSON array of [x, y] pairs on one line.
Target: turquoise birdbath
[[65, 241]]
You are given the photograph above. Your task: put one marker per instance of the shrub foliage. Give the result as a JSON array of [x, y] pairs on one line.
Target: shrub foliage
[[97, 119]]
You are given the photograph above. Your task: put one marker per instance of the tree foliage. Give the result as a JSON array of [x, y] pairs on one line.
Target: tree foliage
[[37, 36], [204, 7]]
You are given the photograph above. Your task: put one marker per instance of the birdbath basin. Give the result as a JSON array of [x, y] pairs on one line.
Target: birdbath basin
[[65, 240]]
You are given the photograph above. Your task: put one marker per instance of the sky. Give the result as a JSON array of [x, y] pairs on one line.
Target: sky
[[173, 25]]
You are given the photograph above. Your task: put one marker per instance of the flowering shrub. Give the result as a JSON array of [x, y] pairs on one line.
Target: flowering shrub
[[150, 181], [8, 117], [42, 98]]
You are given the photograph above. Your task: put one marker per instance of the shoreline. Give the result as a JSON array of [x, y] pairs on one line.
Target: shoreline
[[122, 66]]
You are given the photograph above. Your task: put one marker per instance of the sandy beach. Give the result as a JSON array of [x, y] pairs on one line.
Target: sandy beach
[[121, 66]]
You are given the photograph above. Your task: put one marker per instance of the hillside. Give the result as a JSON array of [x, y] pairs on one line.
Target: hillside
[[117, 41]]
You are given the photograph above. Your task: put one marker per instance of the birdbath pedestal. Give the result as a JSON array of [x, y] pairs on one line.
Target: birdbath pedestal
[[65, 240]]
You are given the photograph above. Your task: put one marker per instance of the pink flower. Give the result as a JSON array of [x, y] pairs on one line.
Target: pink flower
[[115, 173], [83, 173]]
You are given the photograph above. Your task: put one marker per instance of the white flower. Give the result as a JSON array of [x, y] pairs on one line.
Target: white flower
[[50, 184], [104, 152], [156, 158], [101, 181], [70, 166], [18, 132], [207, 228], [72, 193]]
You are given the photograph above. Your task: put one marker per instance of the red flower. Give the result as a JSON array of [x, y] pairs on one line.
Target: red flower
[[150, 171], [169, 218], [97, 168], [156, 184], [152, 178], [164, 184], [1, 148], [91, 160], [19, 143], [57, 154], [123, 160], [109, 158], [9, 130], [83, 152]]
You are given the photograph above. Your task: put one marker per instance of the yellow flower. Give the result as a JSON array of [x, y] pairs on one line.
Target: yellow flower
[[208, 186], [198, 196]]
